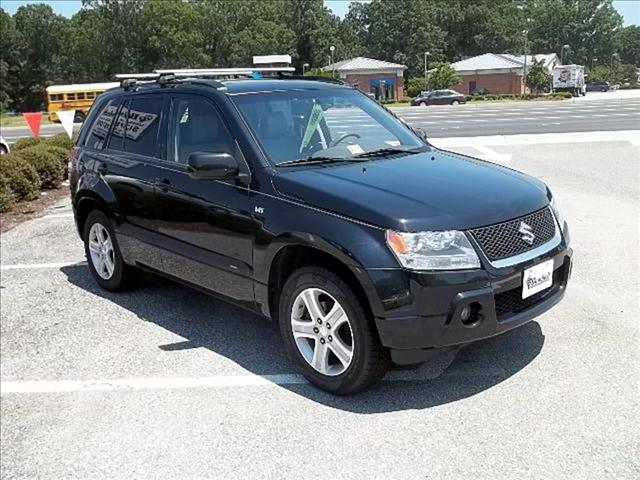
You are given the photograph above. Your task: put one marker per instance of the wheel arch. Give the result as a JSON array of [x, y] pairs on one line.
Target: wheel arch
[[86, 202], [292, 256]]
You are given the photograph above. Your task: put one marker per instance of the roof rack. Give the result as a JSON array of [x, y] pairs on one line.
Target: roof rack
[[165, 76], [312, 77]]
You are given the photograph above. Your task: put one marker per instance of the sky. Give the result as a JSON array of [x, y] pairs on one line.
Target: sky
[[629, 9]]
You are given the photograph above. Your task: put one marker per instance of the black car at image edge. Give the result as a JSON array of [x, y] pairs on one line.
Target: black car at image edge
[[311, 204]]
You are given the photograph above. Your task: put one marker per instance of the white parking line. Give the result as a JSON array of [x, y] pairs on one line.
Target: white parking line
[[58, 215], [221, 381], [35, 266]]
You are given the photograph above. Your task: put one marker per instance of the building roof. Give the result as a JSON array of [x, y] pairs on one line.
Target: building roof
[[363, 63], [495, 61], [546, 58]]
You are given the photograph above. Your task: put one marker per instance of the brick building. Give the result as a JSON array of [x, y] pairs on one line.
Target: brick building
[[498, 73], [384, 79]]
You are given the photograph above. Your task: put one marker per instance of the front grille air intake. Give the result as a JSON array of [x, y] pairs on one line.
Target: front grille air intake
[[505, 240]]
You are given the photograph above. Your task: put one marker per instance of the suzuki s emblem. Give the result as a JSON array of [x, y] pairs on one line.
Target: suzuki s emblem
[[527, 233]]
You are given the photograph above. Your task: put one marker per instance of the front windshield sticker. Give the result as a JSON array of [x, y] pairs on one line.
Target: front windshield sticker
[[355, 149], [314, 120]]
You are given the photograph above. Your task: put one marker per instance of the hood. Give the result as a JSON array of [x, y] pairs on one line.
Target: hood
[[425, 191]]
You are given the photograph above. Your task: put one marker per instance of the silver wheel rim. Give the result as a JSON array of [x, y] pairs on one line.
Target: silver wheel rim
[[101, 251], [322, 332]]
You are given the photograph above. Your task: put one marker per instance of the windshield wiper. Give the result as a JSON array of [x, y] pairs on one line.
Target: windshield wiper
[[316, 160], [381, 152]]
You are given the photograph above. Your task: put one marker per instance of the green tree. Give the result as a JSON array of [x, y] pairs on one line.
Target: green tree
[[401, 31], [598, 73], [42, 33], [629, 44], [116, 27], [11, 60], [538, 77], [442, 76], [589, 27], [168, 37], [415, 85]]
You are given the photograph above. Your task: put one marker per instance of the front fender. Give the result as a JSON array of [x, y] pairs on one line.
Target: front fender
[[357, 245]]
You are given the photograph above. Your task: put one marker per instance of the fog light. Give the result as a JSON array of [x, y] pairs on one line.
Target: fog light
[[470, 315]]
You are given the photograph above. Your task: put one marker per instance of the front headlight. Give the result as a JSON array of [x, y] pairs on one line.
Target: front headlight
[[448, 250], [556, 212]]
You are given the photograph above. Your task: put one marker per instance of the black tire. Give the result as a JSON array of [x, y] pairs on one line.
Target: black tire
[[422, 104], [370, 359], [603, 89], [78, 117], [124, 276], [455, 102], [3, 150]]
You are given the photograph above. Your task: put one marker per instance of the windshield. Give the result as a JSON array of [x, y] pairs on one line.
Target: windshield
[[312, 124]]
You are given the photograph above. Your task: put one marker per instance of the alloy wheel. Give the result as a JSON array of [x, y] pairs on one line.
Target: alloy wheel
[[322, 332], [101, 250]]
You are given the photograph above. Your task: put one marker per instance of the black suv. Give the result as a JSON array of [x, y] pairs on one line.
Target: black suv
[[310, 203]]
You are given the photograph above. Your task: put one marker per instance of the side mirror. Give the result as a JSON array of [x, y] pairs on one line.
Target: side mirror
[[212, 165], [421, 133]]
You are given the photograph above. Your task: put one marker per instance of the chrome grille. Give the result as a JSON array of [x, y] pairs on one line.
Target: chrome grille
[[505, 240]]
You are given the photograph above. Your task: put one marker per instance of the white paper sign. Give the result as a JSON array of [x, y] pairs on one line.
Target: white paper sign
[[66, 119]]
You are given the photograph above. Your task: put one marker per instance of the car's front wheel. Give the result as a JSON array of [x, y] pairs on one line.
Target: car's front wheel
[[103, 254], [455, 102], [423, 104], [327, 333]]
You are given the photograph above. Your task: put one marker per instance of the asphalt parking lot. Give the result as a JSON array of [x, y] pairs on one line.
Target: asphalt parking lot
[[166, 382]]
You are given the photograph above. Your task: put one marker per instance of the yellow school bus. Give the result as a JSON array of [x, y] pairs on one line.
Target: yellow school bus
[[78, 97]]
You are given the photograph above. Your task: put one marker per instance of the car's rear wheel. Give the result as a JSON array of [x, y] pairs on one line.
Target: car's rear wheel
[[423, 104], [3, 150], [103, 254], [603, 89], [327, 333], [455, 102]]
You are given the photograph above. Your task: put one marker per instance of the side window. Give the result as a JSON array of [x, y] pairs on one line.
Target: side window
[[80, 96], [71, 96], [196, 126], [91, 95], [116, 140], [100, 126], [143, 122]]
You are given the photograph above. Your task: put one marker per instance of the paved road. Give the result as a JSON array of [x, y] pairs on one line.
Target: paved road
[[11, 134], [508, 119], [165, 382], [605, 113]]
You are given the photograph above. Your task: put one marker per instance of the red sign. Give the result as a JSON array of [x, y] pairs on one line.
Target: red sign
[[33, 119]]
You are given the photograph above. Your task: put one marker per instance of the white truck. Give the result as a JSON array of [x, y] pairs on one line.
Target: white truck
[[569, 78]]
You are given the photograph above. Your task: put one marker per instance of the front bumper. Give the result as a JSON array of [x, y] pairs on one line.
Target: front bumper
[[428, 314]]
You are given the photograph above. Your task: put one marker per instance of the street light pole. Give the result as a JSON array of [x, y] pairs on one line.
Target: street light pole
[[562, 53], [524, 69], [333, 67], [426, 54]]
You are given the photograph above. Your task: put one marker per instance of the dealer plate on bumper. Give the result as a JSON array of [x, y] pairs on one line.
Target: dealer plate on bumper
[[537, 278]]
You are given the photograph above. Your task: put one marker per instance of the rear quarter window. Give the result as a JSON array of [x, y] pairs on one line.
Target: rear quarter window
[[99, 129]]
